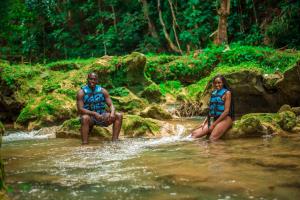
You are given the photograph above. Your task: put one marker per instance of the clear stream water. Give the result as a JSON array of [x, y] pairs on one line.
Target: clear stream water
[[171, 167]]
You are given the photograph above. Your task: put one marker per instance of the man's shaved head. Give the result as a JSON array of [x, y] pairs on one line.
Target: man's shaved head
[[92, 79], [93, 74]]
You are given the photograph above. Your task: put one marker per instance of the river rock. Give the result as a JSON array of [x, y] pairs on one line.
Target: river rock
[[130, 103], [288, 87], [284, 108], [137, 126], [135, 65], [103, 68], [46, 111], [287, 120], [155, 112], [71, 129], [259, 124], [152, 93], [296, 110]]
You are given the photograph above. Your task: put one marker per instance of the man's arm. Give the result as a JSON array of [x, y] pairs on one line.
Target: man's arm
[[109, 102]]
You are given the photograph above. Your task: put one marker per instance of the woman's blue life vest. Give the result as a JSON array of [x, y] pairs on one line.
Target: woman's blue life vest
[[94, 100], [217, 104]]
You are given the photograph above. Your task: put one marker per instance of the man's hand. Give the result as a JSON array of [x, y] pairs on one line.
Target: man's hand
[[98, 116], [111, 116]]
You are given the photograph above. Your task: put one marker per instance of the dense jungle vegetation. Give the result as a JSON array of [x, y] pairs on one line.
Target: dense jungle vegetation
[[48, 30]]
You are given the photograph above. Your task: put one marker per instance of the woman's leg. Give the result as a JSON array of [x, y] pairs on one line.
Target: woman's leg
[[199, 132], [221, 128]]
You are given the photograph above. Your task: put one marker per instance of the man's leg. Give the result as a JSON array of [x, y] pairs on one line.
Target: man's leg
[[86, 123], [117, 124]]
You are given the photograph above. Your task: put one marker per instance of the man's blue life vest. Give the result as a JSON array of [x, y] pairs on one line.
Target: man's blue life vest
[[217, 104], [94, 100]]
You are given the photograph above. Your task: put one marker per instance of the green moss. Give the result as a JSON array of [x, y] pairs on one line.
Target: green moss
[[170, 87], [156, 112], [287, 120], [130, 103], [135, 126], [50, 86], [13, 75], [67, 65], [194, 90], [47, 110], [119, 91], [152, 93]]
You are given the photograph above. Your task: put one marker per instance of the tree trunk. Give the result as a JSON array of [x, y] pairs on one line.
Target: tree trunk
[[221, 33], [151, 26], [104, 44], [170, 43], [174, 25], [115, 20]]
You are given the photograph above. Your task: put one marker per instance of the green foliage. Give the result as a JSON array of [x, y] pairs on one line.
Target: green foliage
[[119, 91], [14, 74], [49, 86], [43, 30], [68, 92], [171, 87]]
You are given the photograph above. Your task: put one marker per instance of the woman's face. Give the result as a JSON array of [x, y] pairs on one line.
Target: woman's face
[[218, 83]]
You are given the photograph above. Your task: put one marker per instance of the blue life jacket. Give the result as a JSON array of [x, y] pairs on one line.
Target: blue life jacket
[[94, 100], [217, 104]]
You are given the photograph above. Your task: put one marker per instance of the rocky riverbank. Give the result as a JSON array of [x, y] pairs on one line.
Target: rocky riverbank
[[148, 89]]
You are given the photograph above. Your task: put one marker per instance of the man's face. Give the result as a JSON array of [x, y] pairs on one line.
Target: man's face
[[92, 80]]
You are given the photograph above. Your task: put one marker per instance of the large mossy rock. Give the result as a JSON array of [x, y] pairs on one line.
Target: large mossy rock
[[104, 68], [71, 129], [155, 112], [46, 110], [129, 103], [136, 126], [259, 124], [288, 87], [254, 91], [152, 93], [135, 66], [287, 120]]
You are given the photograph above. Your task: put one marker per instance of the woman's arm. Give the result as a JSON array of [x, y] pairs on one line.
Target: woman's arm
[[226, 110]]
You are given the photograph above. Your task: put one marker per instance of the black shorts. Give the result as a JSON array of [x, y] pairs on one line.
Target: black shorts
[[103, 123]]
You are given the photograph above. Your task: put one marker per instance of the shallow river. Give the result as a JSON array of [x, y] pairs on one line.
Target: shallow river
[[172, 167]]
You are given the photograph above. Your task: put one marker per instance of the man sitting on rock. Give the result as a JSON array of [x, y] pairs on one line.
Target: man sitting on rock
[[91, 100]]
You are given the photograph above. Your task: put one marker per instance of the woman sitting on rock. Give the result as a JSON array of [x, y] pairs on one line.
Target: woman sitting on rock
[[220, 116]]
